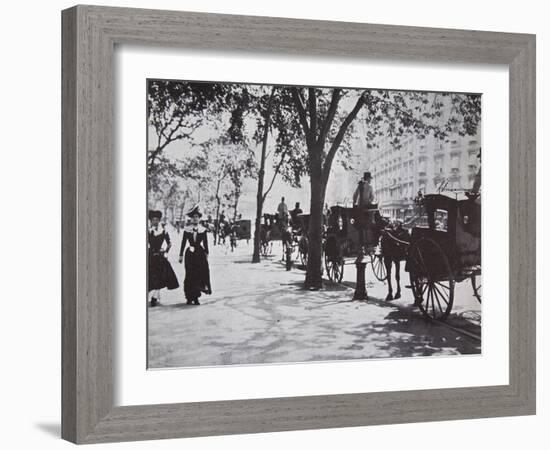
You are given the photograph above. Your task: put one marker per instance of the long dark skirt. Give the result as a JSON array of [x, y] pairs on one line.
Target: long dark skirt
[[161, 274], [197, 274]]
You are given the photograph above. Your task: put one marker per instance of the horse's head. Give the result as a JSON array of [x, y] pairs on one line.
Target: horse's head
[[381, 222]]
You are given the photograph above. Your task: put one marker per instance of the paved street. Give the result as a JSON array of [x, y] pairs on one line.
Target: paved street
[[259, 313]]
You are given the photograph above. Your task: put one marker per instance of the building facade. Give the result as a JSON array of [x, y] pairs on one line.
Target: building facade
[[427, 165]]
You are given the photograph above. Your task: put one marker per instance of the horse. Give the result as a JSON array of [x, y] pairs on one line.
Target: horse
[[394, 244], [284, 225]]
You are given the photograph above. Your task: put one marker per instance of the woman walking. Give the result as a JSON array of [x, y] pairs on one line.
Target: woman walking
[[160, 272], [197, 272]]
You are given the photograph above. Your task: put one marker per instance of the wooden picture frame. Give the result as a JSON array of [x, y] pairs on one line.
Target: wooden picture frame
[[90, 34]]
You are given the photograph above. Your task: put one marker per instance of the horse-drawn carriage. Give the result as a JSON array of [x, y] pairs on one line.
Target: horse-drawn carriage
[[271, 229], [234, 230], [349, 229], [238, 230], [242, 229], [444, 253], [292, 235]]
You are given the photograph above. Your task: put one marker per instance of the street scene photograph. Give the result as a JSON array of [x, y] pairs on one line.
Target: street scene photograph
[[292, 224]]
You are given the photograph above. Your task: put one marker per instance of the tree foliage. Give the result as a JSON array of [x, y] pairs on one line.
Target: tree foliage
[[318, 123], [177, 109], [310, 129]]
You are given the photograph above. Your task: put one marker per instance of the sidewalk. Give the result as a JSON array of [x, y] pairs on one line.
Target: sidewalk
[[259, 313]]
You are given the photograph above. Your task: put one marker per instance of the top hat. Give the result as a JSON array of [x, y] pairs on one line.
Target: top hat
[[367, 176], [195, 210], [154, 214]]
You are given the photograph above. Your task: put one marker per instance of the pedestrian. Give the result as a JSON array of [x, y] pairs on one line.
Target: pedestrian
[[477, 179], [222, 228], [160, 272], [197, 272], [233, 231]]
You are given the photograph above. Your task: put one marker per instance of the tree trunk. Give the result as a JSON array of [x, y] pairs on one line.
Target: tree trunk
[[260, 191], [217, 222], [315, 233], [236, 204], [257, 225]]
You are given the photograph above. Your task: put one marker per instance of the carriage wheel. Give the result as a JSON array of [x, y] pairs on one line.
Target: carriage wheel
[[334, 268], [432, 279], [378, 267], [476, 286], [334, 262]]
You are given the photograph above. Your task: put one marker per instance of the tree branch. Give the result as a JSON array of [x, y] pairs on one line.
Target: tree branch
[[298, 102], [277, 168], [336, 93], [312, 105], [340, 136]]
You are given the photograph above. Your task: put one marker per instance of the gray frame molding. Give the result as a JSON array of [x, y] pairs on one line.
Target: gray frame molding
[[89, 36]]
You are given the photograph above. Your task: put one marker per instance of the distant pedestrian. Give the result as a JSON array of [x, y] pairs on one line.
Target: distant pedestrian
[[160, 272], [477, 179], [197, 271]]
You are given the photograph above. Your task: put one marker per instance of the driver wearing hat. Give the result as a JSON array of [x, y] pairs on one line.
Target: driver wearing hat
[[364, 194]]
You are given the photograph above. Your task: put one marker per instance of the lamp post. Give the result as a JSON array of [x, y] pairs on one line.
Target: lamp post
[[360, 264]]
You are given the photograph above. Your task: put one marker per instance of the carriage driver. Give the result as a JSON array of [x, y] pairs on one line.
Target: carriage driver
[[363, 198], [364, 194]]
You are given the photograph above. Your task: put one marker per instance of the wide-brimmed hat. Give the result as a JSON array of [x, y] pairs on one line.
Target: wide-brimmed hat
[[195, 210], [367, 176], [154, 214]]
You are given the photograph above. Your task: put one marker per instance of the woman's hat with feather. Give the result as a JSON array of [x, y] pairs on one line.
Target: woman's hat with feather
[[194, 211]]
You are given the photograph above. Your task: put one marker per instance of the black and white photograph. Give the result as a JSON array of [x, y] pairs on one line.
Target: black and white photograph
[[275, 225], [294, 224]]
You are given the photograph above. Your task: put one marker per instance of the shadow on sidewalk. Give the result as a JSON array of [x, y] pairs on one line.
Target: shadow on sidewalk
[[404, 334]]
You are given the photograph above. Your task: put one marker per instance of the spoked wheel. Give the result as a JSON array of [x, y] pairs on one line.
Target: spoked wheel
[[334, 263], [335, 269], [432, 279], [378, 267], [476, 286]]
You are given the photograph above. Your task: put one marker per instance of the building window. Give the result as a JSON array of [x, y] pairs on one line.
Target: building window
[[438, 162], [455, 164]]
